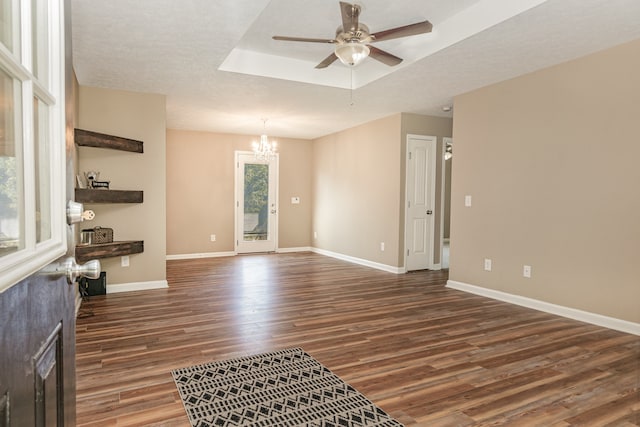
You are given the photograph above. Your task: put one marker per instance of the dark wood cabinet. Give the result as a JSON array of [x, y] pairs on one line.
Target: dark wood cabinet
[[84, 253]]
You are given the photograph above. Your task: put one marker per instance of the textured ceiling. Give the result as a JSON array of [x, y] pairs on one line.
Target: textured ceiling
[[177, 48]]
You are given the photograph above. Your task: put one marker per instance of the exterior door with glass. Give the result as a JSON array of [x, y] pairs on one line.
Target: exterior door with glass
[[256, 203], [37, 304]]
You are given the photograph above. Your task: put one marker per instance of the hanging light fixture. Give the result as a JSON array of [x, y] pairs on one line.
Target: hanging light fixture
[[352, 53], [264, 150]]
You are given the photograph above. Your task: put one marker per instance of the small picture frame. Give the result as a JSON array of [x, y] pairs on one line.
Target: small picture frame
[[79, 183]]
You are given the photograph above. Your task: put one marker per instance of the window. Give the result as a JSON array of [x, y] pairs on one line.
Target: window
[[32, 137]]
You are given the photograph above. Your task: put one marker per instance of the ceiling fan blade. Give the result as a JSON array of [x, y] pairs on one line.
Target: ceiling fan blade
[[404, 31], [350, 13], [303, 39], [382, 56], [327, 61]]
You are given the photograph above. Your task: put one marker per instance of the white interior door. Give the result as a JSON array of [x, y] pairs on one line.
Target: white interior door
[[420, 199], [256, 203]]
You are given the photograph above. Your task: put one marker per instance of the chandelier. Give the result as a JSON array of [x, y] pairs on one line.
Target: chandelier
[[264, 150]]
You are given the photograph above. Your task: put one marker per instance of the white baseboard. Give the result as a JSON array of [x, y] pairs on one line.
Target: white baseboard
[[226, 254], [436, 267], [136, 286], [201, 255], [291, 250], [360, 261], [571, 313]]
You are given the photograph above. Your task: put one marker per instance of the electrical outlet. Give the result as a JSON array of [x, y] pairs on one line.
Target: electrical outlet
[[467, 201], [315, 234], [213, 237], [382, 246], [526, 271], [124, 261], [487, 264]]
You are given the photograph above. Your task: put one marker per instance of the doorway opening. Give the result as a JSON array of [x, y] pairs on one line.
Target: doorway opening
[[447, 163]]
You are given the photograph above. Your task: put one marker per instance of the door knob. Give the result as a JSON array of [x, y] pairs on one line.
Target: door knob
[[429, 212], [72, 270]]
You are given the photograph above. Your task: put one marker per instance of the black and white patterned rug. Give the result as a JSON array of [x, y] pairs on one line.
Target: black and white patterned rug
[[281, 388]]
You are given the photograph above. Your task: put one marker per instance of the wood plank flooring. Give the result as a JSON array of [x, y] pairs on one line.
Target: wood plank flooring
[[428, 355]]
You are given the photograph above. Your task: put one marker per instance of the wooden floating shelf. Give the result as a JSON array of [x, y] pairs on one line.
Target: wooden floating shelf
[[90, 195], [87, 138], [86, 253]]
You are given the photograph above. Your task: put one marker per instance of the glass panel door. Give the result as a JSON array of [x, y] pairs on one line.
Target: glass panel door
[[256, 204], [32, 137], [12, 235]]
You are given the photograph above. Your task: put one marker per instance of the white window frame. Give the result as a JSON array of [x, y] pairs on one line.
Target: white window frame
[[24, 262]]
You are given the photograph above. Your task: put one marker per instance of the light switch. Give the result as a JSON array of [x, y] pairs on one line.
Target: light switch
[[295, 200]]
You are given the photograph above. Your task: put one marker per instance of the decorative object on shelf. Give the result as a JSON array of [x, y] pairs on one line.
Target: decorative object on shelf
[[448, 151], [92, 180], [96, 235], [86, 237], [264, 150]]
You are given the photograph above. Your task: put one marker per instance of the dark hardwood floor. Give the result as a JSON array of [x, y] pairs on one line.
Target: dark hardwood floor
[[428, 355]]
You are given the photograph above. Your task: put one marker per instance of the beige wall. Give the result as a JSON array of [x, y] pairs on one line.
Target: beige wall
[[142, 117], [359, 187], [200, 191], [439, 127], [551, 160], [356, 183]]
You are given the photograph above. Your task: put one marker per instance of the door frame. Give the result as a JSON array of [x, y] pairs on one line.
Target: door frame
[[443, 182], [431, 182], [273, 175]]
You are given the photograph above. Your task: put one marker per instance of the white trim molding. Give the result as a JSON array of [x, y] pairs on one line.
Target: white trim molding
[[360, 261], [200, 255], [231, 253], [136, 286], [291, 250], [571, 313]]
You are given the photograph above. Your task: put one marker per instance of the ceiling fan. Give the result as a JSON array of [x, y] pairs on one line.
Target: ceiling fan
[[353, 38]]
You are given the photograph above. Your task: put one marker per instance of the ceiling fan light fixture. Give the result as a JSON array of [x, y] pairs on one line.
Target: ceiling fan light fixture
[[352, 53]]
